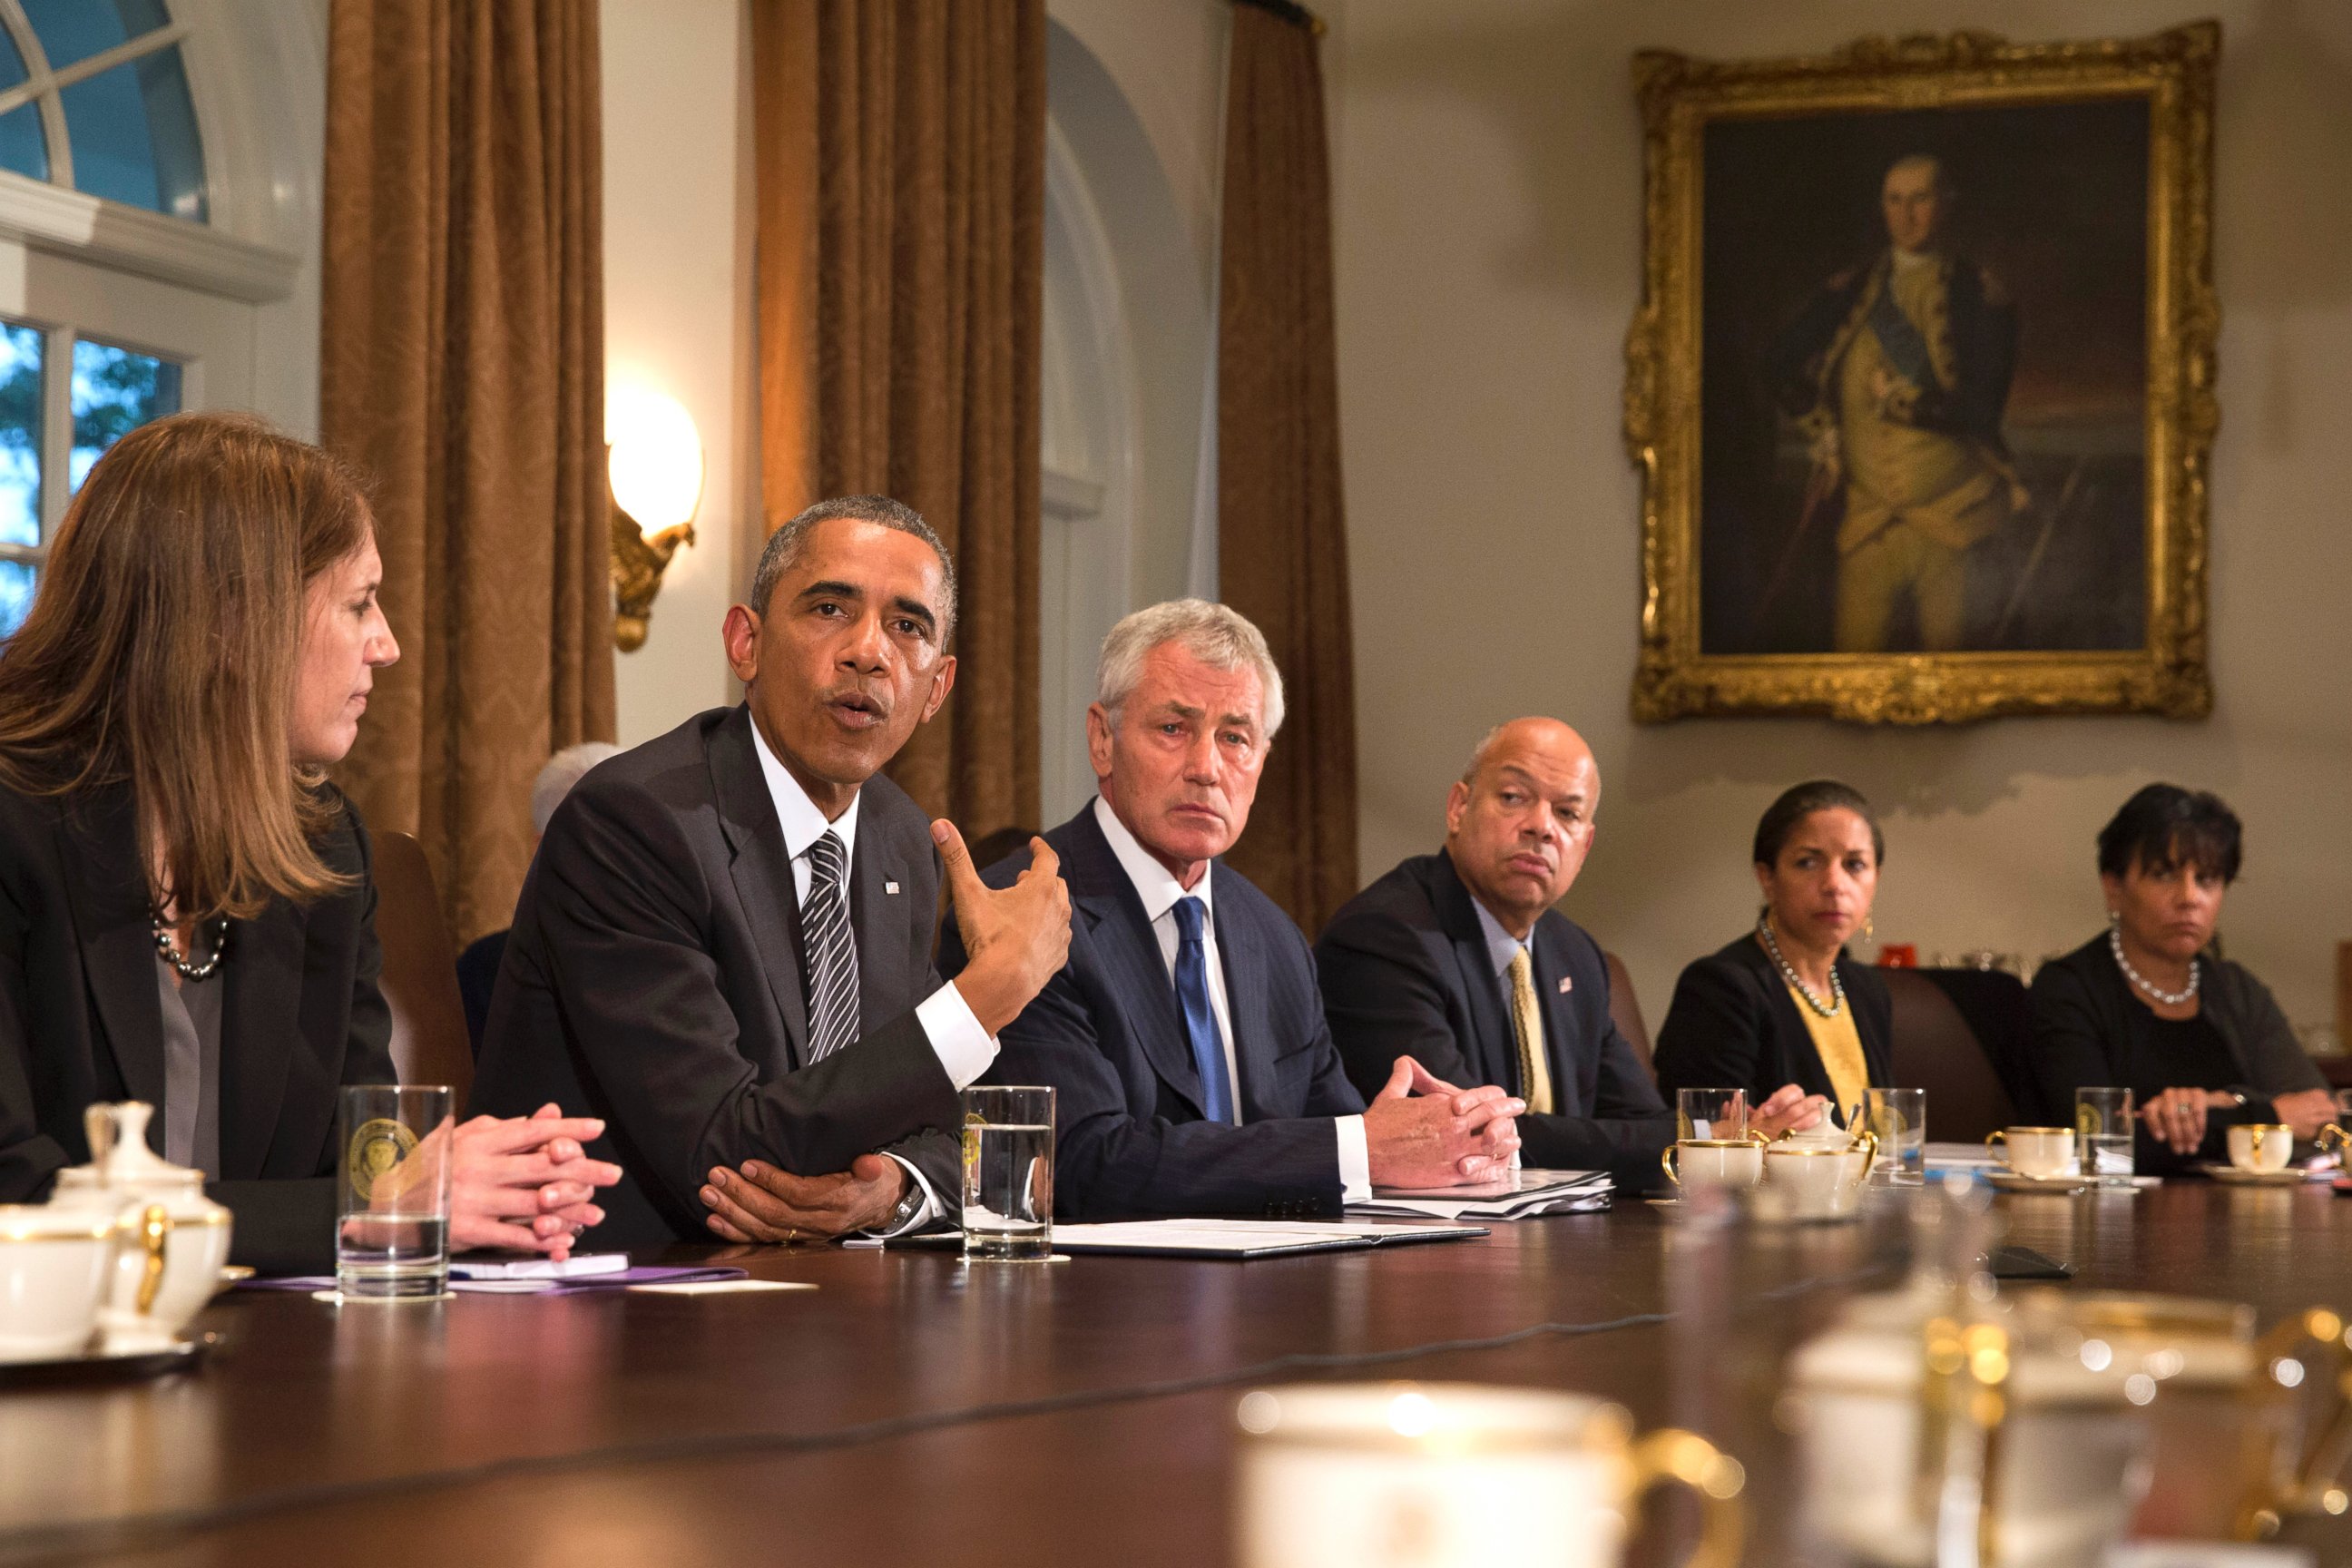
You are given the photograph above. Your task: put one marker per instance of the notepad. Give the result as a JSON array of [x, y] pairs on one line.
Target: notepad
[[1514, 1195], [1238, 1239], [578, 1266]]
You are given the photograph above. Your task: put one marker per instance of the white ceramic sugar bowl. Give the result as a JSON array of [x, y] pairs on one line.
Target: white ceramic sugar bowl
[[171, 1239]]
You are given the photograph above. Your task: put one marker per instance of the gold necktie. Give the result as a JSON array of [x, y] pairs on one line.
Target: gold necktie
[[1527, 1023]]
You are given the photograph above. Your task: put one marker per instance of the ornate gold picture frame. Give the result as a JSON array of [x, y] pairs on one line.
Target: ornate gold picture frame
[[1921, 385]]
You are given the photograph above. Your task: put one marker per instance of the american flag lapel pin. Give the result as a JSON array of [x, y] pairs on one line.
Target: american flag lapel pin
[[890, 886], [1566, 985]]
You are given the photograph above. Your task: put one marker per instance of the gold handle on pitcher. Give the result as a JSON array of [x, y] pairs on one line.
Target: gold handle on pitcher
[[1671, 1454], [154, 1231]]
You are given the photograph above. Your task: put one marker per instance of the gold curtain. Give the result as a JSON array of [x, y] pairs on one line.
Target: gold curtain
[[1282, 547], [901, 165], [462, 368]]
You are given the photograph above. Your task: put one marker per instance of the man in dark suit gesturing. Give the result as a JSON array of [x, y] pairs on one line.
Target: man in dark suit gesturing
[[724, 945], [1185, 1037]]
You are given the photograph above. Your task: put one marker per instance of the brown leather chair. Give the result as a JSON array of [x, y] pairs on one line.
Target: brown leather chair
[[1935, 1050], [420, 969], [1625, 1010]]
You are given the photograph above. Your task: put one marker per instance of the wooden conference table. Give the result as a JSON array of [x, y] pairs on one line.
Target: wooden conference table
[[911, 1411]]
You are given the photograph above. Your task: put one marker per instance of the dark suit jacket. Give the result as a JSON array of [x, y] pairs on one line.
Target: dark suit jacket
[[478, 980], [1978, 316], [1406, 972], [1107, 1033], [654, 977], [79, 1022], [1733, 1025], [2088, 1029]]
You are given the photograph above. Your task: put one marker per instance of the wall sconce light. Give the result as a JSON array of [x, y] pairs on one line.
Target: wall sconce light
[[653, 465]]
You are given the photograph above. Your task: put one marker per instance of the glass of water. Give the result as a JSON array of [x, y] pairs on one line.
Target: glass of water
[[391, 1227], [2103, 1135], [1899, 1117], [1008, 1174], [1704, 1114]]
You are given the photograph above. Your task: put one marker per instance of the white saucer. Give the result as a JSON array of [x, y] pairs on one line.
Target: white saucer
[[106, 1365], [2012, 1182], [2292, 1177]]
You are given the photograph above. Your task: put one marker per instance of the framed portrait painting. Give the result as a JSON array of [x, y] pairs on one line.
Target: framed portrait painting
[[1921, 387]]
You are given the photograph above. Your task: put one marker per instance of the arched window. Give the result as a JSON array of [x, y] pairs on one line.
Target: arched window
[[106, 197]]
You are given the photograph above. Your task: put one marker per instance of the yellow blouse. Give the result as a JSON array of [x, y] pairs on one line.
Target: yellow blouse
[[1839, 1044]]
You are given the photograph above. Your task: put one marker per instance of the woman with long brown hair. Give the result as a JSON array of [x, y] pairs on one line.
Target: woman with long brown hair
[[185, 910]]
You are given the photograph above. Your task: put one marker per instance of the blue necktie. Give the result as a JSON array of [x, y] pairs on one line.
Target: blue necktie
[[1199, 1022]]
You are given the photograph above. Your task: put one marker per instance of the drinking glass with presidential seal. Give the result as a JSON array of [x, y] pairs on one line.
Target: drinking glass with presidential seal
[[391, 1227]]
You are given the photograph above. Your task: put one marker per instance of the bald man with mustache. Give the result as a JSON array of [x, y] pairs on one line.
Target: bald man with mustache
[[1458, 960]]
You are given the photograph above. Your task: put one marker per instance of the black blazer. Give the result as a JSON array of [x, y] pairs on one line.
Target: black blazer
[[1406, 972], [79, 1022], [2086, 1030], [654, 977], [1107, 1033], [1733, 1025]]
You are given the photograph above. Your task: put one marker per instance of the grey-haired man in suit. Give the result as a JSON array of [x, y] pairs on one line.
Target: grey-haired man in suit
[[1185, 1037], [724, 947]]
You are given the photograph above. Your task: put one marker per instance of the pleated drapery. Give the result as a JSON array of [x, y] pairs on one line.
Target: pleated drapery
[[1281, 537], [901, 168], [462, 370]]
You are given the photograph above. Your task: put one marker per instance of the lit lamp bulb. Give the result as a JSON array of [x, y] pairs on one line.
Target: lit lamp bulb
[[653, 463]]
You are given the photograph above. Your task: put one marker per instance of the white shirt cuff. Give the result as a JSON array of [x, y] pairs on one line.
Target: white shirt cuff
[[1355, 1162], [965, 1049], [923, 1216]]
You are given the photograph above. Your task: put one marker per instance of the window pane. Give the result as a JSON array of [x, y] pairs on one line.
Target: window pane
[[133, 131], [72, 30], [115, 390], [16, 595], [12, 63], [22, 149], [20, 434]]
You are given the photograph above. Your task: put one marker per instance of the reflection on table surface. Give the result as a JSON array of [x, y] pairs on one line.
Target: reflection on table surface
[[913, 1409]]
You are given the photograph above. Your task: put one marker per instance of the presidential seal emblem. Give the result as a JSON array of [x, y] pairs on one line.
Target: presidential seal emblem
[[376, 1147]]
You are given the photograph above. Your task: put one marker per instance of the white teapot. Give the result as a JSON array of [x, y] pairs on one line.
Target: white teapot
[[171, 1239]]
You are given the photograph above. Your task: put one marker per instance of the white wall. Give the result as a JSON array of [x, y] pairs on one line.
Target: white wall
[[677, 280], [1489, 254]]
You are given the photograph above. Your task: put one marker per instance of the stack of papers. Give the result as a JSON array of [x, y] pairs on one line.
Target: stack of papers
[[1244, 1238], [1517, 1194]]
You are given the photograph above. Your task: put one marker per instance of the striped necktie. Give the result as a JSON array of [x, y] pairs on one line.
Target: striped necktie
[[1200, 1018], [832, 950]]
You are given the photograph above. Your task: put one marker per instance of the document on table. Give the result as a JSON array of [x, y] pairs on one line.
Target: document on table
[[1516, 1195], [1231, 1238]]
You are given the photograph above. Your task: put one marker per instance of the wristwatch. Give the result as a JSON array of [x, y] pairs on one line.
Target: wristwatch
[[910, 1203]]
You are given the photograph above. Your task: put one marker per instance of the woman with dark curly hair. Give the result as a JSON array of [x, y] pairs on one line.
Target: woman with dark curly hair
[[2147, 1004]]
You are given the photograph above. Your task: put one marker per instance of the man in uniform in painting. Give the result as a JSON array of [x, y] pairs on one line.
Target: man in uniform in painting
[[1898, 370]]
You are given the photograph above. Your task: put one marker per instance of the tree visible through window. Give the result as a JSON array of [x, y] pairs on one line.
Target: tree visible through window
[[93, 97]]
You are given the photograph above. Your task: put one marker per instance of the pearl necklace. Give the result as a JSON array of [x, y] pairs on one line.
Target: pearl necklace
[[188, 969], [2170, 998], [1829, 1009]]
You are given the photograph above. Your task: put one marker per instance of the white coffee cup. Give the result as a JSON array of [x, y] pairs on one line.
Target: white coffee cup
[[1461, 1476], [2040, 1153], [2069, 1462], [1715, 1162], [1819, 1181], [54, 1265], [2261, 1146]]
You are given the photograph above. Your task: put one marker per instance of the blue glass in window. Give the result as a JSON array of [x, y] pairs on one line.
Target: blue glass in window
[[22, 148], [12, 64], [133, 131], [16, 584], [20, 434], [114, 390], [72, 30]]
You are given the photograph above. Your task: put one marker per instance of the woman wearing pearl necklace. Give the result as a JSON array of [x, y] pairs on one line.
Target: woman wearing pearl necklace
[[1782, 1012], [2148, 1006]]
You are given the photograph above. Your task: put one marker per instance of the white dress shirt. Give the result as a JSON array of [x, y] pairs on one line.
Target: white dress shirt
[[965, 1049], [1159, 889]]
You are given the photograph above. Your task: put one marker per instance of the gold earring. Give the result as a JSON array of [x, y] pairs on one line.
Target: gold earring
[[1869, 929]]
